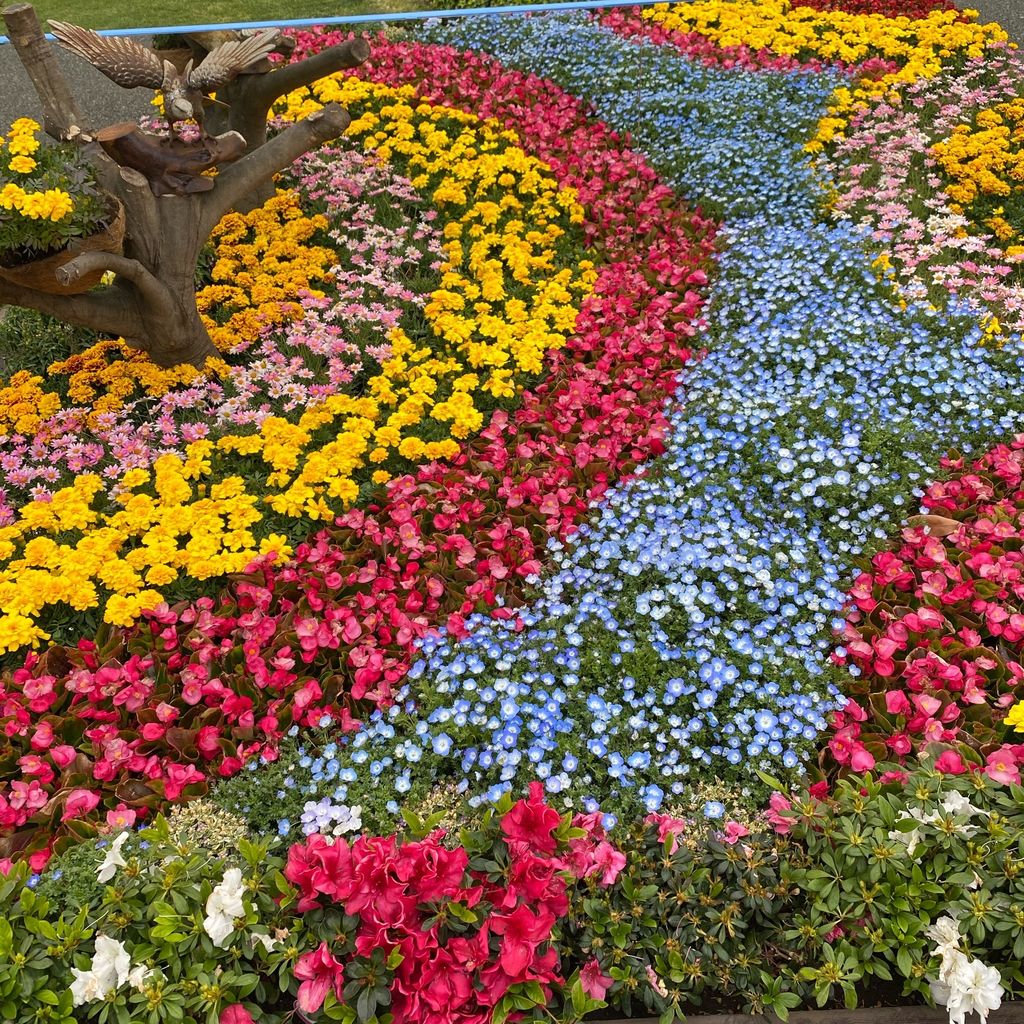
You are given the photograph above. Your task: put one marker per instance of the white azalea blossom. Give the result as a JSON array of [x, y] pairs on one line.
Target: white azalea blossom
[[945, 933], [958, 805], [113, 860], [964, 985], [223, 906], [109, 970], [269, 944], [912, 838], [85, 988], [138, 976], [967, 986]]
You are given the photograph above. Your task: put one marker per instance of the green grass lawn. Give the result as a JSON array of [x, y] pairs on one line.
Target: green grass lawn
[[131, 13]]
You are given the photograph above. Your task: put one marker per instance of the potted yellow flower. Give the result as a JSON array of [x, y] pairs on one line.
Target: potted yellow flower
[[51, 209]]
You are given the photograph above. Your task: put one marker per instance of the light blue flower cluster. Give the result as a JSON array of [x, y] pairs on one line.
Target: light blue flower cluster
[[684, 633]]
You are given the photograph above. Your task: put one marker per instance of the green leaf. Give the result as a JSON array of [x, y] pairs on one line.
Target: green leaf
[[904, 961], [579, 998], [772, 782]]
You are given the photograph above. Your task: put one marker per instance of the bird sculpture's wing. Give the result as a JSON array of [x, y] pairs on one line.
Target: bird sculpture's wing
[[120, 59], [224, 63]]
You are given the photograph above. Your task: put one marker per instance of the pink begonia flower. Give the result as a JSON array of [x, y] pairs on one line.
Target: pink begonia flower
[[63, 755], [862, 760], [593, 981], [896, 703], [79, 802], [949, 762], [1001, 766], [121, 817]]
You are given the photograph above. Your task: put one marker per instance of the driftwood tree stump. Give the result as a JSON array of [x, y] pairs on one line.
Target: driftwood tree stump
[[151, 303]]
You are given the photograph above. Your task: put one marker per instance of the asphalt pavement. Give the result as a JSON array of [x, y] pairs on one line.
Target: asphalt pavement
[[100, 101], [1009, 14]]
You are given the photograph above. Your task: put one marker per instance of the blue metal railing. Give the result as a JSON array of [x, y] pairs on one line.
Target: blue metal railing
[[356, 19]]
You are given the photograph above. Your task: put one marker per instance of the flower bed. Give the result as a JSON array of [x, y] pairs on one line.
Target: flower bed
[[200, 514], [889, 176], [301, 641], [627, 698]]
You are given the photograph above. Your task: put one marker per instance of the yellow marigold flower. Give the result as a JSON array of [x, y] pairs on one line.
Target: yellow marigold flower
[[11, 196], [22, 165], [503, 300]]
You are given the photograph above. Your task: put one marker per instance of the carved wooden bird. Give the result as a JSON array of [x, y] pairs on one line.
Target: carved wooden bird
[[130, 65]]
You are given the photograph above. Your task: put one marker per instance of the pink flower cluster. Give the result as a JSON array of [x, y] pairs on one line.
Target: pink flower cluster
[[334, 629], [402, 895], [886, 178], [936, 628]]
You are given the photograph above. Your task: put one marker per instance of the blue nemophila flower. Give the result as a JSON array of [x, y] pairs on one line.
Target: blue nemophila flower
[[685, 629]]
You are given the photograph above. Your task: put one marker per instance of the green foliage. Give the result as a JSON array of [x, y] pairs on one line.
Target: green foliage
[[32, 341], [32, 986], [155, 905], [836, 908], [884, 862]]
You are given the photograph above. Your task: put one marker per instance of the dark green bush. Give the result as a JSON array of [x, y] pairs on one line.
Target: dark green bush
[[834, 909], [31, 341]]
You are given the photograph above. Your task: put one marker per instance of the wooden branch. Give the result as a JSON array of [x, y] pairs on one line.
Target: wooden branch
[[143, 217], [107, 170], [268, 88], [98, 311], [152, 293], [172, 167], [237, 181], [61, 112]]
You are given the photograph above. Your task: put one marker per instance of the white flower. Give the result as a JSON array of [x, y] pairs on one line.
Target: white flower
[[915, 836], [967, 986], [957, 804], [138, 975], [223, 905], [269, 944], [349, 819], [110, 962], [113, 860], [109, 970], [945, 933], [85, 988]]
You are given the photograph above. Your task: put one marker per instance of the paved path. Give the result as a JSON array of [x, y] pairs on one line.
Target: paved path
[[1009, 14], [101, 101]]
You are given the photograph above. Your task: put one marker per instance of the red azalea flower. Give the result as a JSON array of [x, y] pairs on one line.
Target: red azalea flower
[[594, 981], [532, 822], [522, 931], [236, 1014], [319, 972]]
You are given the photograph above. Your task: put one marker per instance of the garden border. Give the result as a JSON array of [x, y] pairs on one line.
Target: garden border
[[1008, 1013]]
